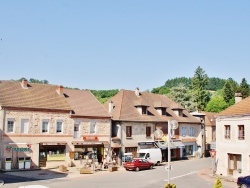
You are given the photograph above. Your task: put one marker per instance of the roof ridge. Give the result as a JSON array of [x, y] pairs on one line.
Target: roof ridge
[[121, 103]]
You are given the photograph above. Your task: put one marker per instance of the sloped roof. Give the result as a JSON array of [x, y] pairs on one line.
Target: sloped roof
[[125, 109], [210, 118], [39, 96], [240, 108], [84, 103]]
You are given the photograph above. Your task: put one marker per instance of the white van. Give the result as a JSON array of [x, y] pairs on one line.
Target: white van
[[152, 155]]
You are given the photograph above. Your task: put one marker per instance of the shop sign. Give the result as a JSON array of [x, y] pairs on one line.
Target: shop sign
[[18, 149], [52, 143], [90, 138]]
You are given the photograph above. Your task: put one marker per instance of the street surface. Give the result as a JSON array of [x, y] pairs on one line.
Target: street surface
[[185, 174]]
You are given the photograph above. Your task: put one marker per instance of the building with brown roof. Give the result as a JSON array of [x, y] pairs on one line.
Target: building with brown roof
[[137, 115], [49, 126], [233, 139]]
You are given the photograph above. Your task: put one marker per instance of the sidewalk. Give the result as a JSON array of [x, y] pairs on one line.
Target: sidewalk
[[46, 174]]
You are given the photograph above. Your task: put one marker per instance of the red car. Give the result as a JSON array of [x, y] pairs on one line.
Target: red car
[[138, 164]]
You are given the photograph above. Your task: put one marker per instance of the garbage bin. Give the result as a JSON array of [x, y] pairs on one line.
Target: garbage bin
[[21, 162], [27, 163], [8, 163]]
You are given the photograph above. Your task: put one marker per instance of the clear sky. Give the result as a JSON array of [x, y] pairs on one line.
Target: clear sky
[[115, 44]]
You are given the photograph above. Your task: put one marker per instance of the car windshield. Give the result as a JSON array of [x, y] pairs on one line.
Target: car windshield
[[141, 155]]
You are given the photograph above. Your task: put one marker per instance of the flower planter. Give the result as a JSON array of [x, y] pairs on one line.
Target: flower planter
[[112, 168]]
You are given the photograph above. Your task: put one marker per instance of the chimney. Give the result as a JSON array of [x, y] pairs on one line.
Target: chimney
[[60, 90], [110, 106], [238, 97], [137, 91], [24, 84]]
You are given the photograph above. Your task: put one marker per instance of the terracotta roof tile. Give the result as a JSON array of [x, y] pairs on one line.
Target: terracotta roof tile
[[125, 110], [240, 108], [41, 96]]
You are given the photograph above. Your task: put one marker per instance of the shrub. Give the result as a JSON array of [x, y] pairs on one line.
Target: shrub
[[218, 183], [171, 186]]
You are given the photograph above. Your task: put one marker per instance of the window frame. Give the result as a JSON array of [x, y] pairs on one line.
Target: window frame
[[241, 132], [13, 125], [93, 127], [148, 131], [191, 131], [42, 126], [128, 131], [183, 131], [59, 121], [22, 123], [227, 132]]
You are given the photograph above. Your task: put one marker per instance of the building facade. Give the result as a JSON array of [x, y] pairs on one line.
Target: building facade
[[47, 126]]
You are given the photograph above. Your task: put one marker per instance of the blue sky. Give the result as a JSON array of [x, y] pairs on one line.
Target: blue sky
[[123, 44]]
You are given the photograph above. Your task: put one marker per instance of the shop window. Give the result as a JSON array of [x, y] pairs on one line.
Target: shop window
[[188, 150], [148, 131], [59, 127], [56, 154], [45, 126], [10, 126], [128, 131], [24, 126]]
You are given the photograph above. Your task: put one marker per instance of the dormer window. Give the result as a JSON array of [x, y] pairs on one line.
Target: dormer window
[[144, 110]]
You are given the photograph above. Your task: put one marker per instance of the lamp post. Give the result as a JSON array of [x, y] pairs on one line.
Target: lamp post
[[172, 125]]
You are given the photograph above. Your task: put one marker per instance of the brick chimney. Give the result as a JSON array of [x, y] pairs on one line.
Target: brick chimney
[[24, 84], [111, 107], [60, 90], [238, 97]]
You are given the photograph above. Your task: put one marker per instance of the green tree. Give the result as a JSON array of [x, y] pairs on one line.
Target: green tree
[[218, 183], [161, 90], [244, 88], [216, 104], [182, 96], [199, 82], [228, 91]]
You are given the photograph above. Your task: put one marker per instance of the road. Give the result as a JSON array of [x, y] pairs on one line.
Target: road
[[185, 174]]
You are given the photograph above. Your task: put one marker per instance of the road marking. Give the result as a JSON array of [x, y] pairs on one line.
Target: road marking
[[188, 174]]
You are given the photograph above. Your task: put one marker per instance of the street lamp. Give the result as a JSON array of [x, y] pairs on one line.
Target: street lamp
[[172, 125]]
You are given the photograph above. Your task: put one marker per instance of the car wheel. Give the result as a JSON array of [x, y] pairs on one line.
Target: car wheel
[[158, 163], [137, 169], [243, 186], [151, 167]]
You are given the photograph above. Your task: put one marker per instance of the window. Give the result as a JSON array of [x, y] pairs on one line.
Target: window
[[148, 131], [10, 125], [183, 131], [76, 130], [227, 131], [144, 109], [241, 135], [93, 128], [128, 131], [24, 126], [45, 126], [191, 131], [234, 162], [59, 127]]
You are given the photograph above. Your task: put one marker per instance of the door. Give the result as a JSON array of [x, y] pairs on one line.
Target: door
[[42, 158], [76, 131], [24, 126]]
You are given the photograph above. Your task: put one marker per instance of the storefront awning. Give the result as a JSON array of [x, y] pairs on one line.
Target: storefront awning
[[53, 143], [178, 144], [91, 143]]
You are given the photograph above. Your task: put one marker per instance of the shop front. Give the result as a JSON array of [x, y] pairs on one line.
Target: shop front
[[17, 156], [89, 151], [52, 154]]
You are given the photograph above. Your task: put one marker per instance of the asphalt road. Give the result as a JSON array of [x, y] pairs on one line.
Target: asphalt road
[[185, 174]]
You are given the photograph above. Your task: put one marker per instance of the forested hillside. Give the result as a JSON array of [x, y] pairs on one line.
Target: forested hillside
[[200, 92]]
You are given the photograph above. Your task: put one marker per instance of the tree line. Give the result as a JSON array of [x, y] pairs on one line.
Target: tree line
[[199, 93]]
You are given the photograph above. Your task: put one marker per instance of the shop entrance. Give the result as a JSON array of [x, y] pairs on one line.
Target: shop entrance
[[42, 158]]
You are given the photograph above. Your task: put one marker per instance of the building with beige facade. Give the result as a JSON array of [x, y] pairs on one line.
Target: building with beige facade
[[45, 125], [137, 115]]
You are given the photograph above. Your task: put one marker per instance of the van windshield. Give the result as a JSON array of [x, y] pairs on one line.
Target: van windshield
[[141, 155]]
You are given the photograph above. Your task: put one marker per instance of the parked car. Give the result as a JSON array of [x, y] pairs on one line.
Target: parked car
[[243, 182], [138, 164]]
